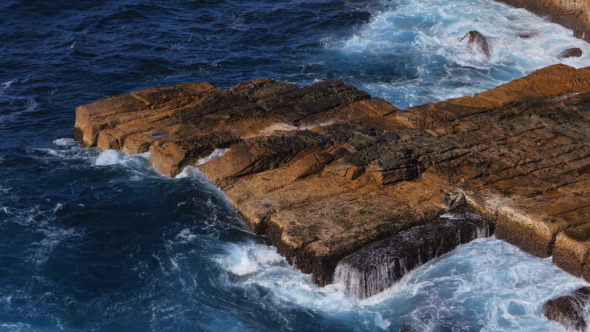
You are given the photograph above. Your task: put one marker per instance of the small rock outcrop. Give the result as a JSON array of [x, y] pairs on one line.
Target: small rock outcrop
[[478, 42], [325, 170], [527, 34], [574, 52], [571, 311], [378, 266]]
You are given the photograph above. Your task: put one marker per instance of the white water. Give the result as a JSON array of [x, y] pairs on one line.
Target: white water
[[485, 285], [217, 153], [426, 36]]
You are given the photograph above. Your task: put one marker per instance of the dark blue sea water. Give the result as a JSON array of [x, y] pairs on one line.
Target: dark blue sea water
[[92, 242]]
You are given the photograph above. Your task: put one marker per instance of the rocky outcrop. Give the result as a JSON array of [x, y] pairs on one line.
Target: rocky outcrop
[[572, 310], [326, 170], [574, 52], [572, 14], [478, 42]]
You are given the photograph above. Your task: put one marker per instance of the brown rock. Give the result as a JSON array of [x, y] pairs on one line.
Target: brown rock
[[572, 14], [325, 170]]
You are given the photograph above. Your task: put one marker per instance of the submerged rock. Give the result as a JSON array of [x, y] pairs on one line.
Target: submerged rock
[[478, 42], [571, 311], [574, 52], [528, 34], [325, 170]]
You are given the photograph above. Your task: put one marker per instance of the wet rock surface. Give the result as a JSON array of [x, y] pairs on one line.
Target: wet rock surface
[[325, 170], [477, 41], [378, 266], [572, 310]]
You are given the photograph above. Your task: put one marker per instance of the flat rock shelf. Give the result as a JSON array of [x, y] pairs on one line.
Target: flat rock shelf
[[326, 170]]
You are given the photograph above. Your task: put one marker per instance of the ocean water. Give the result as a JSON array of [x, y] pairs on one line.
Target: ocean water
[[93, 241]]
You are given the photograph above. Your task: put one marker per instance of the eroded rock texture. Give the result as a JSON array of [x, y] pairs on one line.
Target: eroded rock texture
[[572, 310], [325, 170]]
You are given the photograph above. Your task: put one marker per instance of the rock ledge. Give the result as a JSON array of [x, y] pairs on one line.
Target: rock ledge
[[326, 170]]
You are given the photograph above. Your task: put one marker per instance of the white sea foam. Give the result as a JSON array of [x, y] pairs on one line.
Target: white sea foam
[[30, 105], [455, 215], [112, 157], [52, 237], [247, 259], [217, 153], [65, 149], [46, 235], [188, 172], [486, 282], [257, 265], [64, 142], [426, 36], [186, 235], [194, 172]]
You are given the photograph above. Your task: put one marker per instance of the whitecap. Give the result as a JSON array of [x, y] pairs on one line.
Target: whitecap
[[248, 259], [189, 172], [425, 36], [110, 157], [58, 207], [31, 106], [186, 235], [217, 153], [67, 142], [487, 283], [6, 210]]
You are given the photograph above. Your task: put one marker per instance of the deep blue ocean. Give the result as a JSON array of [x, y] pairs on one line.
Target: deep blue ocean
[[101, 242]]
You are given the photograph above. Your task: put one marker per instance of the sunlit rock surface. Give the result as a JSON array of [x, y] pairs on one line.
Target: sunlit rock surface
[[326, 170]]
